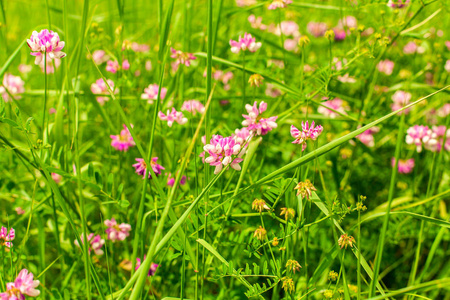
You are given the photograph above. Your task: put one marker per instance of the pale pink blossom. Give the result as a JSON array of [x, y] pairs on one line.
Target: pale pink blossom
[[181, 57], [148, 65], [222, 76], [141, 167], [367, 137], [24, 285], [447, 66], [279, 4], [308, 132], [317, 29], [56, 178], [123, 141], [415, 135], [386, 66], [117, 232], [287, 28], [401, 99], [6, 237], [256, 22], [24, 69], [434, 139], [14, 85], [140, 47], [172, 116], [126, 64], [254, 121], [99, 88], [152, 269], [52, 110], [151, 93], [99, 57], [444, 110], [290, 44], [272, 91], [346, 78], [397, 3], [335, 104], [19, 210], [242, 136], [193, 106], [405, 166], [339, 34], [45, 41], [95, 243], [246, 43], [347, 22], [412, 47], [224, 152], [112, 66]]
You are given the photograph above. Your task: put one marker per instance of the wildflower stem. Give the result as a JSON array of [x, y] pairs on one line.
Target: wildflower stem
[[379, 253]]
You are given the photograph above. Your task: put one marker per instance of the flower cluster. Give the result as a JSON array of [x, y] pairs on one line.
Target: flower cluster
[[173, 116], [246, 43], [254, 122], [401, 99], [141, 167], [405, 166], [124, 140], [45, 42], [386, 66], [152, 269], [431, 139], [317, 29], [99, 88], [397, 3], [24, 285], [151, 93], [309, 132], [117, 232], [223, 152], [181, 57], [113, 66], [6, 237], [193, 106], [95, 243], [336, 104], [12, 84], [367, 136], [171, 180], [305, 189], [346, 240], [279, 4]]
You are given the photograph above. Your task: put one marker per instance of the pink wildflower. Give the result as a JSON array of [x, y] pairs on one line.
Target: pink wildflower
[[141, 167], [386, 66], [181, 57], [56, 178], [140, 47], [279, 4], [255, 123], [405, 166], [308, 133], [193, 106], [151, 93], [99, 57], [112, 66], [6, 237], [24, 69], [339, 34], [397, 3], [347, 22], [152, 269], [272, 91], [317, 29], [14, 85], [246, 43], [117, 232], [335, 104], [242, 136], [171, 180], [367, 136], [99, 87], [415, 135], [95, 243], [19, 210], [434, 139], [444, 110], [288, 28], [221, 151], [45, 41], [447, 66], [24, 285], [125, 65], [173, 116], [123, 141], [290, 44], [256, 22], [50, 66], [401, 99], [412, 47]]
